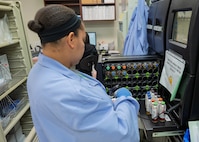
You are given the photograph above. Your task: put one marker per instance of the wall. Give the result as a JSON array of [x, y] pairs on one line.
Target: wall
[[125, 10], [106, 31], [29, 8]]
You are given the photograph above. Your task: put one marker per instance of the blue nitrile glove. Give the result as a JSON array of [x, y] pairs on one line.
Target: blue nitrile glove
[[186, 137], [122, 92]]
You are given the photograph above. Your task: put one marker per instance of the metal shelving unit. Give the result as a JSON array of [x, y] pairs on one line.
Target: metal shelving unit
[[20, 62]]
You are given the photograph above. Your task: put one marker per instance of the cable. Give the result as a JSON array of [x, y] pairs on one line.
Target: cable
[[172, 108]]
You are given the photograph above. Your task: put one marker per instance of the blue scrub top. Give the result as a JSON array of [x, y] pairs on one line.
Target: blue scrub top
[[70, 106]]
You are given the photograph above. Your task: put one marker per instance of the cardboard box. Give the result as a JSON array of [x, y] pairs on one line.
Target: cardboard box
[[98, 1], [91, 1]]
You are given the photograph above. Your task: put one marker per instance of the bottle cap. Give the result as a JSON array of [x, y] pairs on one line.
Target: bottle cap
[[163, 102], [155, 103]]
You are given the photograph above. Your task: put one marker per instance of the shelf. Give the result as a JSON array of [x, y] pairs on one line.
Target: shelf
[[90, 10], [94, 4], [68, 1], [63, 3], [16, 119], [12, 85], [5, 8], [32, 136], [70, 4], [9, 43]]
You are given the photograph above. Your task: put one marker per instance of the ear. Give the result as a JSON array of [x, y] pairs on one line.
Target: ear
[[71, 39]]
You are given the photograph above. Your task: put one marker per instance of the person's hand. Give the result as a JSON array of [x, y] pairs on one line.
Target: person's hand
[[34, 59], [122, 92], [93, 72]]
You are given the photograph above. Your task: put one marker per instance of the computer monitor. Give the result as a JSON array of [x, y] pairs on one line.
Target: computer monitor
[[92, 38]]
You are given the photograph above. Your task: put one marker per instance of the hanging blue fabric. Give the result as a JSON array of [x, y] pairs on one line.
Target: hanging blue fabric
[[136, 40], [186, 137]]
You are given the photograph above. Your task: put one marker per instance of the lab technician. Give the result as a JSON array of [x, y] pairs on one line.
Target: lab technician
[[89, 60], [69, 106]]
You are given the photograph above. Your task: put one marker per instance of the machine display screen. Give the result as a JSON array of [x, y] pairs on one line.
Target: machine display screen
[[181, 25]]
